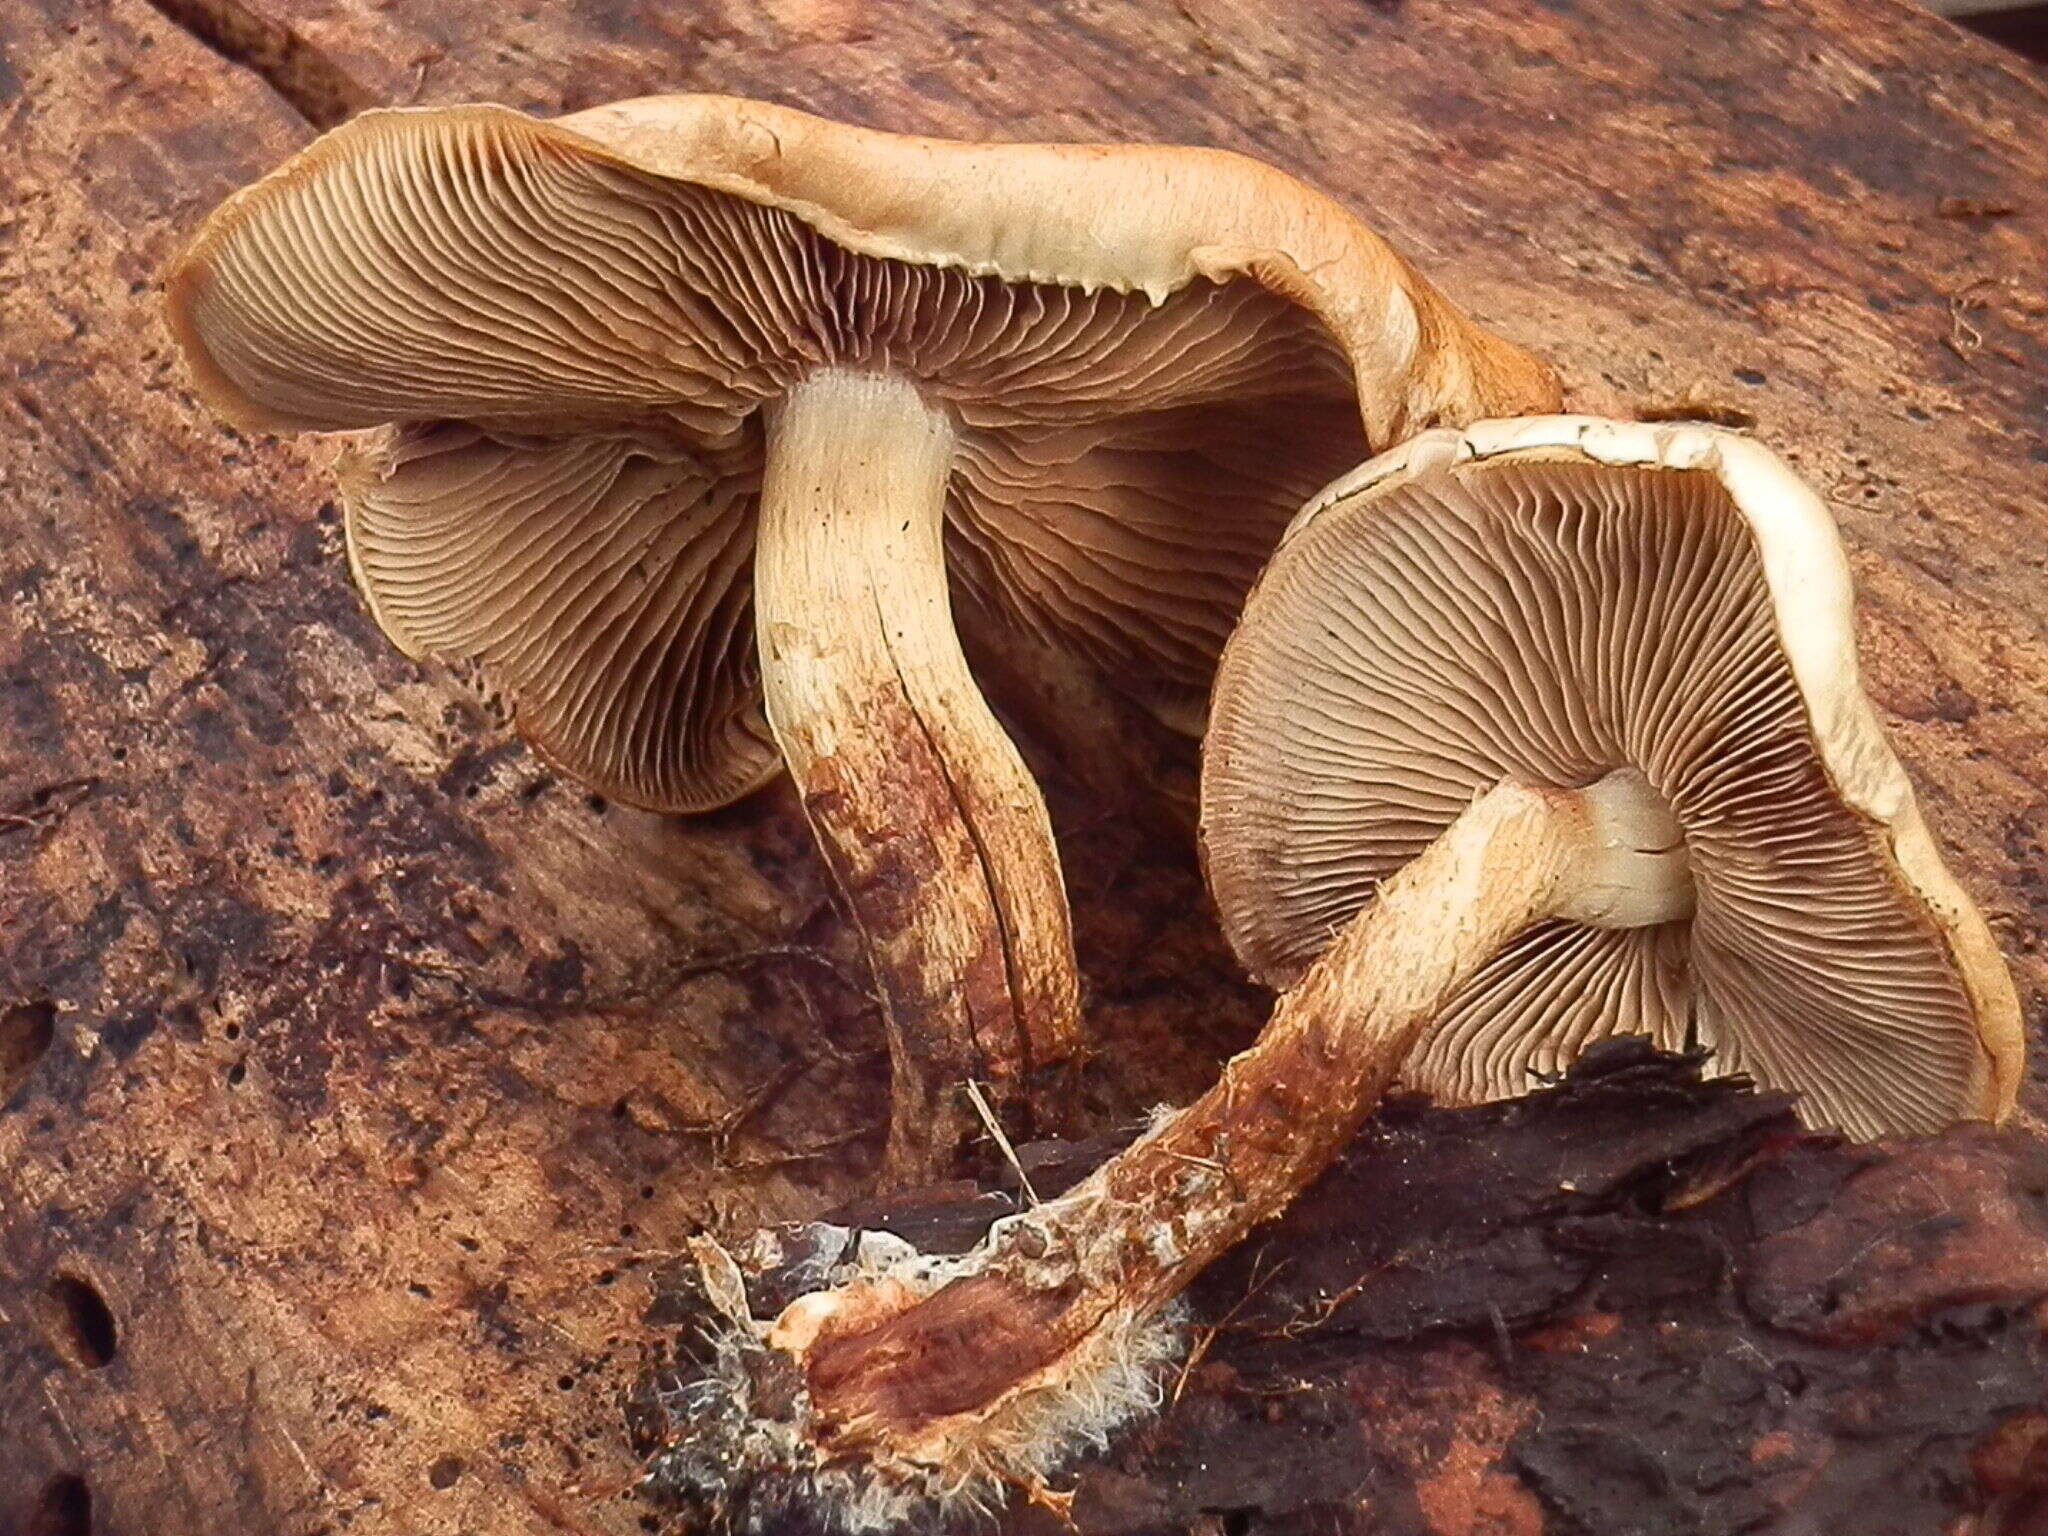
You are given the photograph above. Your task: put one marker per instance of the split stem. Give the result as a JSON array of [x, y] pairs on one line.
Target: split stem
[[933, 830]]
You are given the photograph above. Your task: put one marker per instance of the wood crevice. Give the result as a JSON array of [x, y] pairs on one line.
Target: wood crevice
[[314, 85]]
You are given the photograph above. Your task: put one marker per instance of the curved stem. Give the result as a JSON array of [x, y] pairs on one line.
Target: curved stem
[[933, 830], [931, 1383]]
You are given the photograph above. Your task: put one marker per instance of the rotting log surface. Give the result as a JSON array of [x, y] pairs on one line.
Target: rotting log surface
[[357, 1070]]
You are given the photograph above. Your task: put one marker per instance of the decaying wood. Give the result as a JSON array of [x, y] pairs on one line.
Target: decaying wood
[[360, 1070]]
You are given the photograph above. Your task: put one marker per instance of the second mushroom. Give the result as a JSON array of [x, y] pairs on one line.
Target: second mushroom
[[695, 411], [1534, 733]]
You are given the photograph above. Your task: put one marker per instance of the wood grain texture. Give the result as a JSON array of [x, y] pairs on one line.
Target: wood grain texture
[[381, 1064]]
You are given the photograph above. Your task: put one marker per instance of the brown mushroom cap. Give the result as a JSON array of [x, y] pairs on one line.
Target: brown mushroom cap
[[1549, 601], [1153, 356]]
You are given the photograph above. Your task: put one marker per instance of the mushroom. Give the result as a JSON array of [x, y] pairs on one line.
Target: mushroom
[[1538, 732], [1657, 619], [692, 408]]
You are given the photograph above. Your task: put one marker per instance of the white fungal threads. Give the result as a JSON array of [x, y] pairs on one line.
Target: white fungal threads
[[747, 1424]]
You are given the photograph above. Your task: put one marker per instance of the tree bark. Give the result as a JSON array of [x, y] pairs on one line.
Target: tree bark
[[358, 1069]]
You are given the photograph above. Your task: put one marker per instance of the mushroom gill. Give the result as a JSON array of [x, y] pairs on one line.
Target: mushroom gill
[[694, 410], [1548, 623]]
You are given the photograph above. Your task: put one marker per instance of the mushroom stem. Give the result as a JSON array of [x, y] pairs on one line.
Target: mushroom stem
[[933, 830], [954, 1383]]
